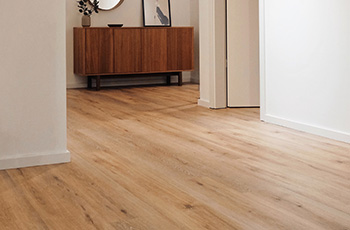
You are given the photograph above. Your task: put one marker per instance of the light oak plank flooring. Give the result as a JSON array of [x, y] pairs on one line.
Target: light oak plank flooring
[[150, 158]]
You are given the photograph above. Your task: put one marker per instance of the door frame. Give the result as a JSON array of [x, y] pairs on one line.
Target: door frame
[[213, 54]]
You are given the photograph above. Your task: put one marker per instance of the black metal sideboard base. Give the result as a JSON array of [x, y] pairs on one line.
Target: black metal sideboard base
[[98, 78]]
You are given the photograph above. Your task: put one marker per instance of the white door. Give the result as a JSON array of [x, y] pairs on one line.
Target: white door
[[243, 53]]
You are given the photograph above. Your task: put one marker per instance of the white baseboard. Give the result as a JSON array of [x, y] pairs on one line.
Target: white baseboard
[[203, 103], [243, 106], [324, 132], [34, 160]]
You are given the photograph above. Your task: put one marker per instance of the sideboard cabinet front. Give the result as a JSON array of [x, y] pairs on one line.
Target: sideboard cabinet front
[[117, 51], [99, 51], [180, 49], [127, 51], [155, 50]]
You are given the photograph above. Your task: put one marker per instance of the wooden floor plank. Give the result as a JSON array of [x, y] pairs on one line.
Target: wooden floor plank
[[150, 158]]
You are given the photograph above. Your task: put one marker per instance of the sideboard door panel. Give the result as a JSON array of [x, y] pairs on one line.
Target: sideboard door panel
[[127, 50], [99, 51], [154, 53], [180, 49], [79, 51]]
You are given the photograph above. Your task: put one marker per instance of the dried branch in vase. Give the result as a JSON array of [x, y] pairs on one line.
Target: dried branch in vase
[[85, 10]]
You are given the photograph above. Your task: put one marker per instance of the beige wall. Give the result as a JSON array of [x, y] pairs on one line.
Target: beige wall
[[194, 14], [243, 53], [184, 13], [33, 96]]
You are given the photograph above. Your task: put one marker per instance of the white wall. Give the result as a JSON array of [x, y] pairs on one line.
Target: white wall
[[305, 53], [130, 14], [212, 43], [206, 49], [33, 76]]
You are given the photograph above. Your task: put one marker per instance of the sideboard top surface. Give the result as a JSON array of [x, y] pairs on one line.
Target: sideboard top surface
[[118, 28]]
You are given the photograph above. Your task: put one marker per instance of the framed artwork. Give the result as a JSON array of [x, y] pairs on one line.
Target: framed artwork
[[156, 13]]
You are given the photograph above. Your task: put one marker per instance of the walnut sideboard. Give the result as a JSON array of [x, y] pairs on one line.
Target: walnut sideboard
[[103, 51]]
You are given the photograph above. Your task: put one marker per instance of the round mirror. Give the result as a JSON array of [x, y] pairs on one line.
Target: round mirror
[[108, 4]]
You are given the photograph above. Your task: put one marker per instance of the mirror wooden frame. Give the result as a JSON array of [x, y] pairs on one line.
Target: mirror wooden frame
[[120, 2]]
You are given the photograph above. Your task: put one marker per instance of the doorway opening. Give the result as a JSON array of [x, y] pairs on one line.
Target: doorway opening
[[242, 39]]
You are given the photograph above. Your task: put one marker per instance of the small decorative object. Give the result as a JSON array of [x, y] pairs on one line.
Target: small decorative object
[[115, 25], [86, 21], [156, 13], [87, 12]]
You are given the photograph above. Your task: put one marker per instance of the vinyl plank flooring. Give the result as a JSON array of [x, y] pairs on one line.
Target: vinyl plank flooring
[[150, 158]]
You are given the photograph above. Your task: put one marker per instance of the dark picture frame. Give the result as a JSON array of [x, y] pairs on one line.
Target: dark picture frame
[[156, 13]]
